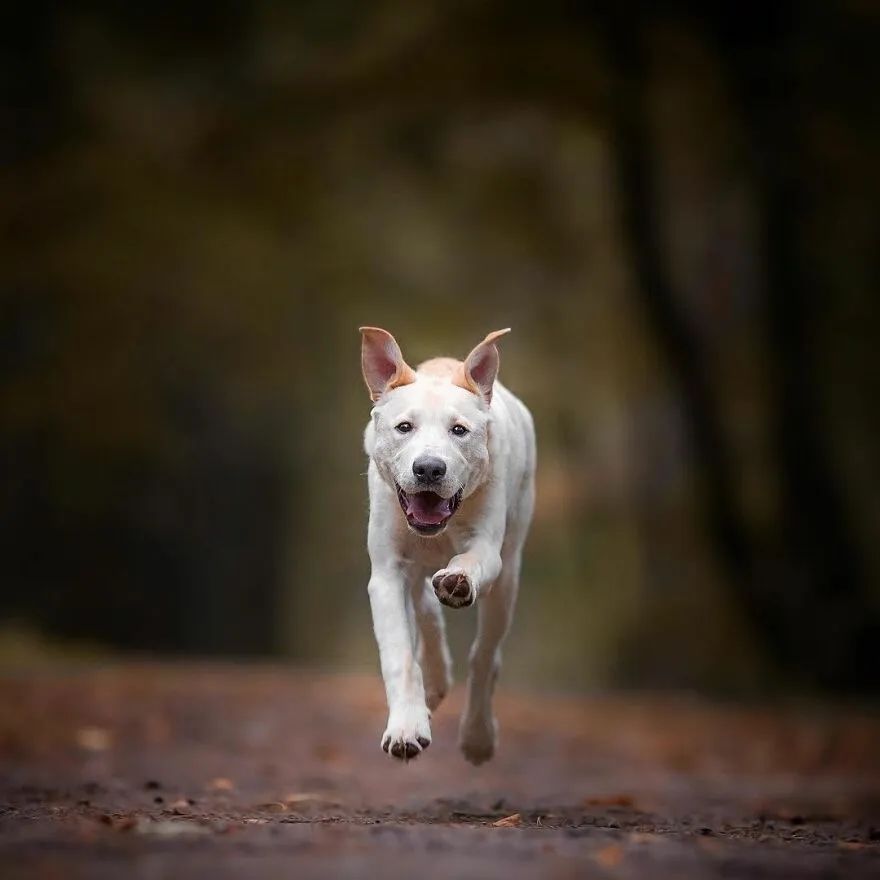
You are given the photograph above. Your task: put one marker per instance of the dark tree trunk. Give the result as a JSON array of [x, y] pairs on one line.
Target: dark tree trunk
[[820, 585], [678, 342], [805, 598]]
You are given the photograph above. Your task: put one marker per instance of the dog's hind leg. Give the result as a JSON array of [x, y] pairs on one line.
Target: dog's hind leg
[[478, 731], [434, 657]]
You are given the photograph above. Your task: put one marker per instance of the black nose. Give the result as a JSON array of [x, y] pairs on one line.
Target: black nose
[[428, 468]]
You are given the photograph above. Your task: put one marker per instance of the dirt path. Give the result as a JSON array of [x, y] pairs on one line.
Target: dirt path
[[155, 771]]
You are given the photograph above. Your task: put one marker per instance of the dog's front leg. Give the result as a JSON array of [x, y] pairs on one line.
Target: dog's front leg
[[409, 730], [471, 573]]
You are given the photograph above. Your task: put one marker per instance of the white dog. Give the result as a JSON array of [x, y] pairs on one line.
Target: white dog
[[451, 478]]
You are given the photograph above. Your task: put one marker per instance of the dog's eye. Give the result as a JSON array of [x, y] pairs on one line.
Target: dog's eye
[[404, 427], [459, 430]]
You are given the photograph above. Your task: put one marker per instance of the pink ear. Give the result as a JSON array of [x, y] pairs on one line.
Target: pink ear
[[481, 367], [382, 362]]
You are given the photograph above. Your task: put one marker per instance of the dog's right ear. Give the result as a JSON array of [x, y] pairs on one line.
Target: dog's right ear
[[382, 362]]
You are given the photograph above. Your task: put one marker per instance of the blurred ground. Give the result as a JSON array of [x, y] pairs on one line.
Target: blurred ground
[[159, 770]]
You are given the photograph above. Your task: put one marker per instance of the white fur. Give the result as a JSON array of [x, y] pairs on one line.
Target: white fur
[[479, 550]]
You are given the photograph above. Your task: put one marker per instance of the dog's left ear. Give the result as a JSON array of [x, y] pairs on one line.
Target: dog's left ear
[[382, 362], [481, 367]]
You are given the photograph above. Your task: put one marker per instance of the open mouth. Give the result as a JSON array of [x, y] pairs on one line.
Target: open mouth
[[427, 512]]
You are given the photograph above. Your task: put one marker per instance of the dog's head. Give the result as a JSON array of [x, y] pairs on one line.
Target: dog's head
[[429, 434]]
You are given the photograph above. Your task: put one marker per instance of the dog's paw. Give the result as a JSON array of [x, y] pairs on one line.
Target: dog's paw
[[407, 735], [478, 738], [453, 588]]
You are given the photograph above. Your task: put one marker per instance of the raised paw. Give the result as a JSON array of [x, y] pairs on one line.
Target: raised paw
[[406, 740], [453, 588]]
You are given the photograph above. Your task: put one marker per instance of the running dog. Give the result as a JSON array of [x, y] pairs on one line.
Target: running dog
[[452, 487]]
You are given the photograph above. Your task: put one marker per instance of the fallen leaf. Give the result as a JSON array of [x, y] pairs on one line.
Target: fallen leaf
[[302, 797], [610, 856], [181, 805], [610, 800], [119, 823], [272, 807], [508, 821], [221, 783], [94, 739]]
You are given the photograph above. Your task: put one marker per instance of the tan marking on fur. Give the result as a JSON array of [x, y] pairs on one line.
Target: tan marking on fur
[[406, 375], [457, 371], [440, 368], [463, 380]]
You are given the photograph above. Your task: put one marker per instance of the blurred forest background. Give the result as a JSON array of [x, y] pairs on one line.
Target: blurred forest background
[[673, 204]]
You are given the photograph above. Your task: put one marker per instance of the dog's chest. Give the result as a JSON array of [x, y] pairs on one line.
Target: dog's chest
[[429, 553]]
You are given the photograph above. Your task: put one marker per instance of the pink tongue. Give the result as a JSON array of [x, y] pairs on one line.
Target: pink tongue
[[428, 508]]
